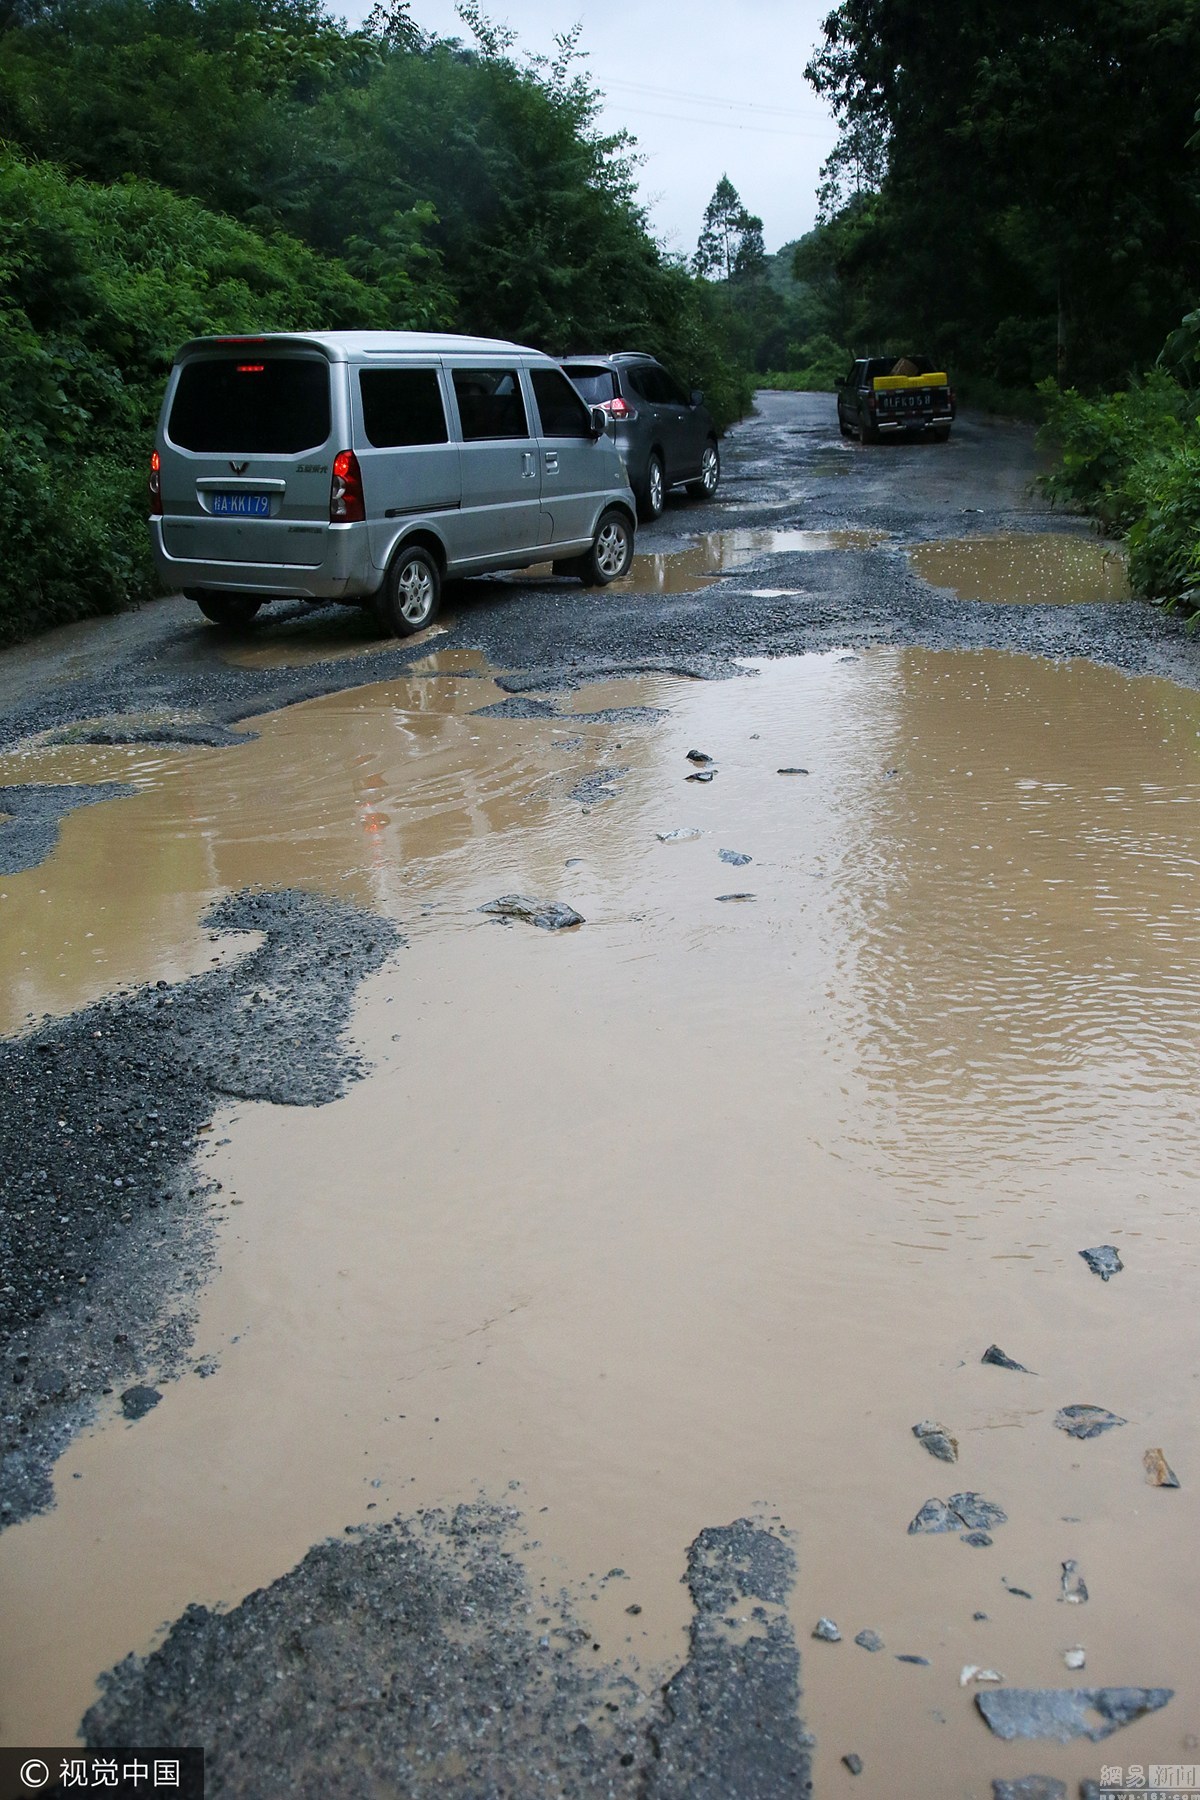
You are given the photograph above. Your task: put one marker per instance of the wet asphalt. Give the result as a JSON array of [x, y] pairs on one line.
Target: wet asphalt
[[400, 1659]]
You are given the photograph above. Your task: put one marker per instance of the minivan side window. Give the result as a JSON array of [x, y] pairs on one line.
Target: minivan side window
[[251, 404], [562, 412], [402, 407], [490, 404]]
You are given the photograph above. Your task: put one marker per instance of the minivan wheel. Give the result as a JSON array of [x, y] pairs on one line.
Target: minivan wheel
[[234, 610], [410, 597], [654, 493], [611, 552], [710, 474]]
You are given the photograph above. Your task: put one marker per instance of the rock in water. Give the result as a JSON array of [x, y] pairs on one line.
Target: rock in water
[[1074, 1587], [1086, 1421], [737, 857], [550, 915], [827, 1631], [1030, 1787], [1103, 1261], [970, 1512], [136, 1402], [698, 756], [679, 837], [870, 1640], [1061, 1714], [791, 771], [853, 1762], [937, 1440], [995, 1355], [934, 1516], [1159, 1472], [701, 775], [736, 896]]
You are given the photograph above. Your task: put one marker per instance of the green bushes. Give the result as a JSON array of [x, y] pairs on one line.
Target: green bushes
[[1133, 460], [98, 287]]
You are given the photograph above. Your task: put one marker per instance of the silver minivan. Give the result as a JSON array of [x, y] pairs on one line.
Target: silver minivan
[[366, 466]]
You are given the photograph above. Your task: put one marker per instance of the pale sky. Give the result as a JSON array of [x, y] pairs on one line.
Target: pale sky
[[708, 87]]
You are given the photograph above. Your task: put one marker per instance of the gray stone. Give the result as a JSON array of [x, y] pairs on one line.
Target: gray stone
[[937, 1440], [550, 915], [1074, 1587], [698, 756], [1086, 1421], [737, 857], [978, 1540], [1030, 1787], [976, 1512], [136, 1402], [853, 1762], [791, 771], [1159, 1472], [995, 1355], [702, 775], [922, 1662], [870, 1640], [827, 1631], [1103, 1260], [934, 1516], [680, 836], [737, 896], [1062, 1714]]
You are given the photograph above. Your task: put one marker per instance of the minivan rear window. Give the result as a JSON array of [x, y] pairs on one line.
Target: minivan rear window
[[596, 385], [402, 407], [252, 404]]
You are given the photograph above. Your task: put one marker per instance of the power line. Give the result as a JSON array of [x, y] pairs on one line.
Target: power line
[[665, 93], [642, 112]]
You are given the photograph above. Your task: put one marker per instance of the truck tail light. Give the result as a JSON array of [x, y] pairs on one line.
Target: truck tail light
[[346, 502], [155, 485]]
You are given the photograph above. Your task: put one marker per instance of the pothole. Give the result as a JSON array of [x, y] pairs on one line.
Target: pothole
[[1026, 568]]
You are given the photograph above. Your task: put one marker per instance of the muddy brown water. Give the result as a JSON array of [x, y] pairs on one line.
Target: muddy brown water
[[698, 1208], [713, 554], [1031, 568]]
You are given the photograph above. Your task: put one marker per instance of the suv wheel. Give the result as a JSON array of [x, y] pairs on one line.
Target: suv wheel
[[611, 552], [654, 493], [710, 473], [233, 610], [412, 593]]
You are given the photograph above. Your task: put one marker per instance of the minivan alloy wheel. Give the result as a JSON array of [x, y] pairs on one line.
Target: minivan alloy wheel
[[414, 592], [410, 598], [611, 552]]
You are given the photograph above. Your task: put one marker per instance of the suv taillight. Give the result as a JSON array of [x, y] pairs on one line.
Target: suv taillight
[[346, 492], [618, 408], [155, 485]]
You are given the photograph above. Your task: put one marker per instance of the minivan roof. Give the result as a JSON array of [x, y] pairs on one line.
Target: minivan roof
[[343, 346]]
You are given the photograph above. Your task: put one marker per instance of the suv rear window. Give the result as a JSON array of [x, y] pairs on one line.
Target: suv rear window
[[251, 404], [402, 407], [597, 385]]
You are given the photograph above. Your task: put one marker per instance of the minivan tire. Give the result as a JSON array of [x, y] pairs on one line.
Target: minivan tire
[[235, 611], [611, 553], [411, 595], [653, 496]]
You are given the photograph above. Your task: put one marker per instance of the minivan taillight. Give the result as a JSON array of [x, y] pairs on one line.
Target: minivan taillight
[[155, 485], [346, 493]]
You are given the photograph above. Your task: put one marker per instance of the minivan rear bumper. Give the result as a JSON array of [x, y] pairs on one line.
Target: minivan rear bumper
[[340, 569]]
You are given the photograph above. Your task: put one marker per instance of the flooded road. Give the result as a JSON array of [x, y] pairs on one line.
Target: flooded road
[[694, 1211], [1028, 568]]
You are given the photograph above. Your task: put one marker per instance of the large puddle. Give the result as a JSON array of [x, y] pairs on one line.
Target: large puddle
[[697, 1207], [1030, 568], [713, 554]]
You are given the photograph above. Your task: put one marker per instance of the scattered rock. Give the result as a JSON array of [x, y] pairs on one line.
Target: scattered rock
[[853, 1762], [969, 1510], [550, 915], [1074, 1587], [791, 771], [1075, 1657], [827, 1631], [973, 1672], [937, 1440], [737, 896], [1030, 1787], [979, 1616], [1159, 1472], [136, 1402], [633, 1610], [922, 1662], [679, 837], [870, 1640], [1022, 1593], [1061, 1714], [1086, 1421], [978, 1540], [702, 775], [1103, 1260], [995, 1355], [698, 756], [737, 857]]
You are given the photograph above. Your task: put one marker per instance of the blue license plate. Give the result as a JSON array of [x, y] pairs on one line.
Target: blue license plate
[[244, 506]]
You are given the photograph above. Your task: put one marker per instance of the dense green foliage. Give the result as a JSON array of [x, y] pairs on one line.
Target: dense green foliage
[[175, 167], [1017, 192]]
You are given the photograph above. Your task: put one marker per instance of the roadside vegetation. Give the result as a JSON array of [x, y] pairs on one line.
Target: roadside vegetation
[[1017, 193], [177, 167]]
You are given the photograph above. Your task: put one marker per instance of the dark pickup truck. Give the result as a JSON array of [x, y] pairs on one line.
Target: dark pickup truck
[[883, 395]]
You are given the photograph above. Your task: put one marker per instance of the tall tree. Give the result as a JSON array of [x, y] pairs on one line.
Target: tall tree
[[731, 239]]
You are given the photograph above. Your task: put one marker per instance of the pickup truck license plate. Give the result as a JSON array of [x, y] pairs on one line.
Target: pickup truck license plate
[[244, 506]]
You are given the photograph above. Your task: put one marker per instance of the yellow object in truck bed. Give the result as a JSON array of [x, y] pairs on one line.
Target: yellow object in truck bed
[[891, 384]]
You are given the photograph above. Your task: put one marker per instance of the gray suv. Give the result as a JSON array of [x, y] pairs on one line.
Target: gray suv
[[667, 437]]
